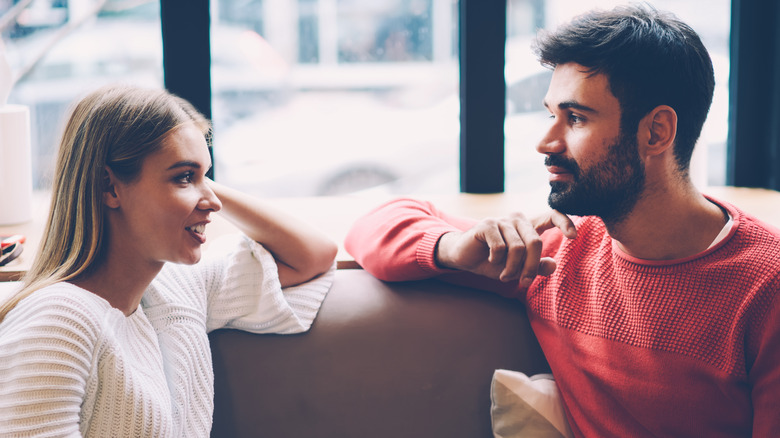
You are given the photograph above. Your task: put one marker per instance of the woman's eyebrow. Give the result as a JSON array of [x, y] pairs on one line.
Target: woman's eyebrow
[[184, 163]]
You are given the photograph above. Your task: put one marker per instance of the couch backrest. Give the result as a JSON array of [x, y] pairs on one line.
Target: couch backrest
[[382, 360]]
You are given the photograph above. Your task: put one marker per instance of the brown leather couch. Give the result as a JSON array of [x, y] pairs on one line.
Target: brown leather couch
[[412, 359]]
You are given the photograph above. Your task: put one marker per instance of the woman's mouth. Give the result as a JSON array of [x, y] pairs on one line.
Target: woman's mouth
[[199, 228], [197, 232]]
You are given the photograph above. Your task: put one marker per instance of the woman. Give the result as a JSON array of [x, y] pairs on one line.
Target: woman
[[105, 338]]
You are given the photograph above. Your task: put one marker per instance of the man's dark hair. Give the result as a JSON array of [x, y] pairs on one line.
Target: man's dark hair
[[650, 58]]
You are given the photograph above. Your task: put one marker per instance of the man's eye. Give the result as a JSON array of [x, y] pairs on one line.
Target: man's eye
[[573, 118]]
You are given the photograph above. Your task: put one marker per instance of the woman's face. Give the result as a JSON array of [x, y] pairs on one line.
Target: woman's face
[[162, 215]]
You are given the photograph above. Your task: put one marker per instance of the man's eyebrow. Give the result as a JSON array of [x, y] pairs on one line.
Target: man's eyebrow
[[572, 104]]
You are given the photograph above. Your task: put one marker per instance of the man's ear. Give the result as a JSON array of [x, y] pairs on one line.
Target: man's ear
[[658, 130], [110, 196]]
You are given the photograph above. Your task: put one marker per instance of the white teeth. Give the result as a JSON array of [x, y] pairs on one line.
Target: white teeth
[[200, 228]]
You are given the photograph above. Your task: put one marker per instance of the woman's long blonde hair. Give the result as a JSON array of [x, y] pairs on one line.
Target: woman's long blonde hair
[[115, 127]]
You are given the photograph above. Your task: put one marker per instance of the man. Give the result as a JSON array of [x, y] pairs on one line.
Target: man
[[656, 306]]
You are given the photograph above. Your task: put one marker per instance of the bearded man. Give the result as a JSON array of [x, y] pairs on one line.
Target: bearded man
[[656, 306]]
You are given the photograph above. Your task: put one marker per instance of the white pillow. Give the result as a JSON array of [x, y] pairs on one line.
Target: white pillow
[[527, 407]]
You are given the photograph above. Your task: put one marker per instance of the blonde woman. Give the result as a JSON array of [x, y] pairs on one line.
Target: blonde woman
[[108, 334]]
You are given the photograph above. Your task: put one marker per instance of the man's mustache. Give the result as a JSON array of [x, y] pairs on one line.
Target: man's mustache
[[565, 163]]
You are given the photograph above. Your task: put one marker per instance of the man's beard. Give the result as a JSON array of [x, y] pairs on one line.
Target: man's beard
[[609, 189]]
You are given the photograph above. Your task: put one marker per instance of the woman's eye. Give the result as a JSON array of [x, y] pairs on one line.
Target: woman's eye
[[185, 178]]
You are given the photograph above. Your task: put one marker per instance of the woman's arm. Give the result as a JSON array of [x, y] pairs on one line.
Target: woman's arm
[[46, 347], [301, 252]]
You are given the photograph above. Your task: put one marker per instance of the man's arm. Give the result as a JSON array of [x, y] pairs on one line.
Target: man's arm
[[396, 240], [408, 239]]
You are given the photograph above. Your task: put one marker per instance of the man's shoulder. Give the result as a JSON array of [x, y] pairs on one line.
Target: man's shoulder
[[754, 248], [755, 231], [745, 221]]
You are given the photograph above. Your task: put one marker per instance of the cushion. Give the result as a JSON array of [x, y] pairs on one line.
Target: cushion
[[526, 407]]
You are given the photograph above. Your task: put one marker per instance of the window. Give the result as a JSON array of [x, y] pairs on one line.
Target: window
[[319, 97], [60, 50], [333, 96]]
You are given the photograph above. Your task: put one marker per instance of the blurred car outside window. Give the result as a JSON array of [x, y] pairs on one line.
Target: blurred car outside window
[[341, 96]]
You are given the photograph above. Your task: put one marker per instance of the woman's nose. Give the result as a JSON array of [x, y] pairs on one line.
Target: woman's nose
[[209, 200]]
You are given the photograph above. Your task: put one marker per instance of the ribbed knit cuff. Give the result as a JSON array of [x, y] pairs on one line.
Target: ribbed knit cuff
[[426, 250], [306, 299]]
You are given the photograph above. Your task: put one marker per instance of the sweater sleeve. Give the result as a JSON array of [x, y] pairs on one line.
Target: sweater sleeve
[[249, 296], [396, 241], [764, 375], [46, 351]]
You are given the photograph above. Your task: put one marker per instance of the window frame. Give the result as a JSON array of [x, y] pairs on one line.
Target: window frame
[[755, 65]]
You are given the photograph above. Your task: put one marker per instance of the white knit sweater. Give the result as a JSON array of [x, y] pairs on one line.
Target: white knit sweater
[[71, 365]]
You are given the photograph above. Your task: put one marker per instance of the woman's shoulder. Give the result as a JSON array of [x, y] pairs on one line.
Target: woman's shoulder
[[58, 309]]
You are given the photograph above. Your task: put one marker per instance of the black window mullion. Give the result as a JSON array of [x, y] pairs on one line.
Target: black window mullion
[[482, 29], [754, 95], [187, 52]]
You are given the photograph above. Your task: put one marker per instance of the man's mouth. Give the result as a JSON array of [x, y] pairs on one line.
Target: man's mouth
[[561, 169]]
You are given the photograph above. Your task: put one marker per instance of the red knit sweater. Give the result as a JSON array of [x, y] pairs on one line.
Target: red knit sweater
[[639, 348]]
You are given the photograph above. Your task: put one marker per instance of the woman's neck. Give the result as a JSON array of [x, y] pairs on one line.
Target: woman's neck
[[121, 284]]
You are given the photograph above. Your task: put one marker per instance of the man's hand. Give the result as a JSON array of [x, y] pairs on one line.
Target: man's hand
[[506, 248]]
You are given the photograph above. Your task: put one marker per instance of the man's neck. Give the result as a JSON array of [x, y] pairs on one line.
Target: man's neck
[[669, 225]]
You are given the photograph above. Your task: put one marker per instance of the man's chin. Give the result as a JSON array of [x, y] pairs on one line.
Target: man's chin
[[570, 202], [559, 196]]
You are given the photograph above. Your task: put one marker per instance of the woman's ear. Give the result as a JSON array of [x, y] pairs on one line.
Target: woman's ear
[[658, 130], [110, 196]]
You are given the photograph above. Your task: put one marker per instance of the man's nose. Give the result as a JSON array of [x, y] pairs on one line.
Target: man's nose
[[552, 142]]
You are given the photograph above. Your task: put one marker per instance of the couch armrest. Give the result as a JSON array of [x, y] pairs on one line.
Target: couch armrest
[[409, 360]]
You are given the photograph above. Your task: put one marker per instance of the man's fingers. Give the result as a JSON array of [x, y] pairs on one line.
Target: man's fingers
[[547, 266], [555, 219], [516, 249], [496, 243], [528, 266]]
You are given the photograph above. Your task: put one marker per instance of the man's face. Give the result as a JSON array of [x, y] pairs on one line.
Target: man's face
[[594, 168]]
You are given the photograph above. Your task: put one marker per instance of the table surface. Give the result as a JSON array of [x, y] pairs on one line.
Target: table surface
[[334, 214]]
